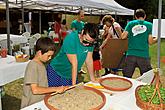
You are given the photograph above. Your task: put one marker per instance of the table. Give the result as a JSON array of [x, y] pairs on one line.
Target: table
[[16, 39], [124, 100], [10, 70]]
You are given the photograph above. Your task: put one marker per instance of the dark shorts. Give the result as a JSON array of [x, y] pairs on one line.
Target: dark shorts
[[55, 80], [132, 62]]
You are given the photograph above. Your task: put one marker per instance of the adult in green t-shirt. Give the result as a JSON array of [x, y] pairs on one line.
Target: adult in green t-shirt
[[76, 49], [139, 33], [78, 24]]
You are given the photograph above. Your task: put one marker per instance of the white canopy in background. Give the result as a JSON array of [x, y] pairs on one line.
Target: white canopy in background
[[112, 3], [90, 6]]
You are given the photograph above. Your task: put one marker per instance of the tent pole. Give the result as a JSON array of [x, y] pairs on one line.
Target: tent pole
[[40, 22], [22, 16], [8, 26], [115, 15], [159, 32]]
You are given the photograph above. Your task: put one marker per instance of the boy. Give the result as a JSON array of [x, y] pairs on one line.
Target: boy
[[35, 80]]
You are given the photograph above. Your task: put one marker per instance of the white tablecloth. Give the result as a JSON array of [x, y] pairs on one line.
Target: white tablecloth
[[124, 100], [10, 70], [17, 39]]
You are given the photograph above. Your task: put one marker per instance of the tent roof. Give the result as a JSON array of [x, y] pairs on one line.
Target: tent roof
[[90, 6]]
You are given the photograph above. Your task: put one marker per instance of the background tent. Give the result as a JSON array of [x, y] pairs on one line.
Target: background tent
[[92, 6]]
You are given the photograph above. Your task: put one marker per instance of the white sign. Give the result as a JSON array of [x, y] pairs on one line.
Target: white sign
[[155, 28]]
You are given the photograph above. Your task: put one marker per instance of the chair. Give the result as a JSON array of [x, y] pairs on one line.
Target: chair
[[37, 36], [3, 44], [29, 50], [26, 34], [45, 33]]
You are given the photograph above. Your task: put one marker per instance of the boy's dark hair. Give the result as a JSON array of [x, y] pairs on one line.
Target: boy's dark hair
[[45, 44], [107, 18], [140, 13], [91, 29]]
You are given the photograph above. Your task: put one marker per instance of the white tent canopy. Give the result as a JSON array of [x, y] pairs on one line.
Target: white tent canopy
[[90, 6], [112, 3]]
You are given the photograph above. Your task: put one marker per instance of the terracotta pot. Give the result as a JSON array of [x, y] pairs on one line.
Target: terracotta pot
[[117, 88], [85, 87], [3, 53]]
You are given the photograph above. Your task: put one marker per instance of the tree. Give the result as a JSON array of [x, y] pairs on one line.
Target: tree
[[150, 6]]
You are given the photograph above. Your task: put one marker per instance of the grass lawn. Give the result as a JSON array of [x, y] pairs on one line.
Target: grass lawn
[[13, 91]]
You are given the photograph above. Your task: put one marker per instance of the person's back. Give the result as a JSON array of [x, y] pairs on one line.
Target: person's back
[[139, 34], [33, 71], [139, 31]]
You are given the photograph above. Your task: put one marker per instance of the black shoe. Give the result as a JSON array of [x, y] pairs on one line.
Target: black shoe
[[105, 73]]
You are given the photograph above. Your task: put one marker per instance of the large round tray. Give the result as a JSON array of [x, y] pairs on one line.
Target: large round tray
[[145, 105], [85, 87], [117, 88]]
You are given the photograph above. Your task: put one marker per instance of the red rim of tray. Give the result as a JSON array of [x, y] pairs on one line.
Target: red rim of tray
[[115, 78], [85, 87]]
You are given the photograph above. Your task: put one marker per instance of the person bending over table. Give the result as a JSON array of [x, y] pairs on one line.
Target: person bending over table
[[35, 80], [76, 49], [139, 34]]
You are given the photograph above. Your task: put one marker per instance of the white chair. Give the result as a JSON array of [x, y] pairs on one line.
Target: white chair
[[45, 33], [37, 36], [29, 50], [146, 77], [26, 34], [3, 44]]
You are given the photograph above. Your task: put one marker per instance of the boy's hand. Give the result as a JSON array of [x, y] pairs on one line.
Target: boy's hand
[[96, 80], [62, 89]]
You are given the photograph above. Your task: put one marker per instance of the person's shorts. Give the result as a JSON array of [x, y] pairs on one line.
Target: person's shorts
[[134, 61], [97, 65]]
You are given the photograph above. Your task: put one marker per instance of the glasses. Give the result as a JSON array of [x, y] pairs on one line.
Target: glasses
[[90, 44]]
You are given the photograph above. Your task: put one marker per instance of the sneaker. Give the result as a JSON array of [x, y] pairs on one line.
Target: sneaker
[[106, 73], [82, 72]]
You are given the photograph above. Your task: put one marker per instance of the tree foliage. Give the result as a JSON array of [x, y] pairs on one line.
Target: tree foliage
[[150, 6]]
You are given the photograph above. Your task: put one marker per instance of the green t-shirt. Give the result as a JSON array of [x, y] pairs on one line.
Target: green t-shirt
[[77, 25], [71, 45], [138, 33]]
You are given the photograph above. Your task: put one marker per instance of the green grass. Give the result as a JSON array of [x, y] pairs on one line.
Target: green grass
[[13, 91], [154, 56]]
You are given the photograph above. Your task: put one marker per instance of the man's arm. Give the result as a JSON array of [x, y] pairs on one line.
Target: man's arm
[[152, 40], [105, 33], [105, 41], [73, 60], [124, 35], [89, 63]]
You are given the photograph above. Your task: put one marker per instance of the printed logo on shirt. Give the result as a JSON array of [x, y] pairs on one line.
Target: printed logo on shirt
[[85, 51], [138, 29]]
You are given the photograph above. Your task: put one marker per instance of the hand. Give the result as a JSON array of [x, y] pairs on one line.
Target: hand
[[62, 89], [100, 48], [96, 80]]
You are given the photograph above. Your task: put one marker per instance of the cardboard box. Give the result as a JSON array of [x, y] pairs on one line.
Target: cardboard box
[[113, 52]]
